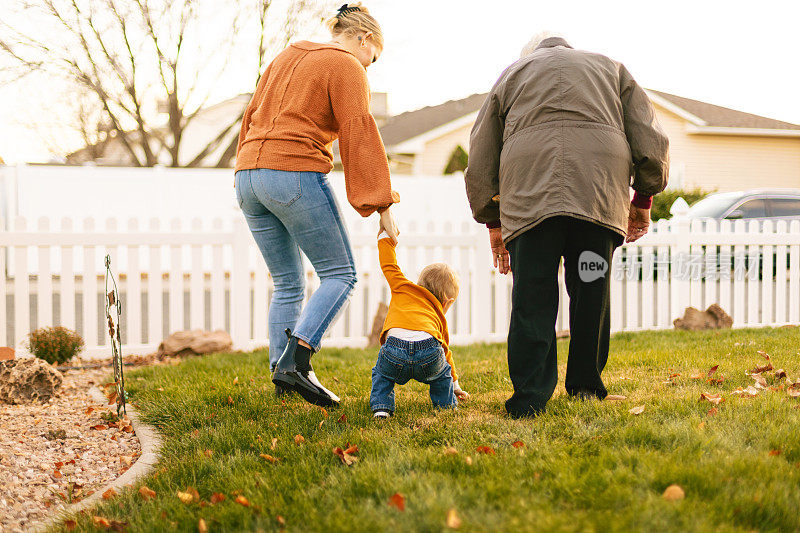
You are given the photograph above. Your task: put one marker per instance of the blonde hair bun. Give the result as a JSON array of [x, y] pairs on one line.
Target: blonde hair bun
[[352, 19]]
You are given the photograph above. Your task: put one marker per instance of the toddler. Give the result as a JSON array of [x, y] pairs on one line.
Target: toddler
[[414, 340]]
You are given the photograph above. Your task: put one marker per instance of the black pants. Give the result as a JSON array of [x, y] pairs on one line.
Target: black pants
[[535, 257]]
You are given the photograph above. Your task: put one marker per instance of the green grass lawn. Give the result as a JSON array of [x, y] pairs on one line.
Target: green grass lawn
[[585, 465]]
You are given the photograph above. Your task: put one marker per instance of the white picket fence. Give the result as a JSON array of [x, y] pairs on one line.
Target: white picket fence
[[211, 276]]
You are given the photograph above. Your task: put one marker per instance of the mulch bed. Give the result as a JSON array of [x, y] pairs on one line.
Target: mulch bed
[[59, 452]]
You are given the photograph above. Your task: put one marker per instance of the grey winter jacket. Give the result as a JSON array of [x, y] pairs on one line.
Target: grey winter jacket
[[562, 132]]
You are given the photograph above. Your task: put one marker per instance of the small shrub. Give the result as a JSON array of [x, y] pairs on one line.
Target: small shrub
[[458, 161], [664, 200], [55, 345]]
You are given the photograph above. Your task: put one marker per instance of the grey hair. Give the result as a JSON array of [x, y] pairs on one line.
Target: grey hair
[[536, 41]]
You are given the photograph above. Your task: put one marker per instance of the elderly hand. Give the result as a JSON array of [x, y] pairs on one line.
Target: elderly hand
[[499, 252], [638, 223]]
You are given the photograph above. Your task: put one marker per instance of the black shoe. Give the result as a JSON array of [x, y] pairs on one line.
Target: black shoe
[[280, 391], [299, 376]]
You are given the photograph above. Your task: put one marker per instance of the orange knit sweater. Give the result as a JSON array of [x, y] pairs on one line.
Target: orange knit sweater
[[307, 97], [412, 307]]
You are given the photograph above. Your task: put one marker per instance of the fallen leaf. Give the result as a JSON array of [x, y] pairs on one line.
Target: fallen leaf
[[713, 398], [780, 374], [99, 521], [774, 453], [274, 443], [749, 391], [280, 520], [696, 376], [398, 501], [185, 497], [127, 460], [241, 500], [230, 399], [615, 398], [712, 370], [324, 412], [450, 451], [763, 354], [761, 383], [70, 524], [518, 444], [468, 460], [196, 433], [217, 497], [793, 391], [342, 419], [674, 375], [762, 368], [208, 453], [701, 425], [57, 474], [112, 398], [88, 412], [128, 429], [485, 450], [673, 493], [268, 458], [99, 427], [201, 526], [110, 493], [346, 455], [712, 411], [299, 439], [335, 379], [146, 493], [236, 380], [452, 521], [639, 409]]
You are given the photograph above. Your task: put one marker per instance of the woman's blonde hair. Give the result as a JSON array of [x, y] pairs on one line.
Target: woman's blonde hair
[[352, 19], [441, 280]]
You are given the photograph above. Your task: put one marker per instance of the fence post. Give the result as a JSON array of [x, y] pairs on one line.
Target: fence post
[[679, 255], [482, 298], [240, 287]]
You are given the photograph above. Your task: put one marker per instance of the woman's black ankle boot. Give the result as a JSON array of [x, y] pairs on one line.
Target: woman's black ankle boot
[[294, 372]]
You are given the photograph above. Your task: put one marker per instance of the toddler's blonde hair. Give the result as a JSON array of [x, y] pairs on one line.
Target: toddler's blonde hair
[[353, 22], [441, 280]]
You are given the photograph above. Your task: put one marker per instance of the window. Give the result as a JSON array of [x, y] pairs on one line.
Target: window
[[752, 209], [785, 207]]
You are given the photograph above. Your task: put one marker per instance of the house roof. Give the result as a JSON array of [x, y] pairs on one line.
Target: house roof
[[407, 125], [411, 124], [722, 117]]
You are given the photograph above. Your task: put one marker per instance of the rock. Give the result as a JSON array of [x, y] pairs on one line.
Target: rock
[[195, 342], [6, 354], [374, 338], [28, 380], [712, 318]]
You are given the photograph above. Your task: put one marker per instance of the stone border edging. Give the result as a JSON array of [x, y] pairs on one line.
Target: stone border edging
[[149, 440]]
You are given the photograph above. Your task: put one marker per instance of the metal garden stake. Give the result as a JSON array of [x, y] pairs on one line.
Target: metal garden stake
[[113, 312]]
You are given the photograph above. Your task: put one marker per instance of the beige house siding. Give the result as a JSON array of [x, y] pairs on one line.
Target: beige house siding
[[728, 162], [438, 151]]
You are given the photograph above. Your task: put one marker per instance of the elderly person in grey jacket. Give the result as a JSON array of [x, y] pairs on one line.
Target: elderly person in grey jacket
[[562, 137]]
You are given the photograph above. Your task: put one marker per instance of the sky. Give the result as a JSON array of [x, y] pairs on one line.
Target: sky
[[743, 55]]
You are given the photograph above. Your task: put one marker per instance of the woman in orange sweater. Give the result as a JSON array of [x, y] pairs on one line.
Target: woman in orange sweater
[[310, 95]]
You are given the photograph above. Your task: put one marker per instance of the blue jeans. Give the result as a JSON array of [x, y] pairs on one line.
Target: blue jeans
[[288, 212], [399, 361]]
